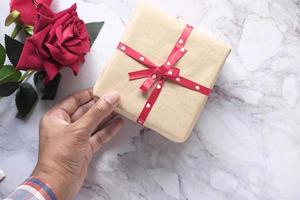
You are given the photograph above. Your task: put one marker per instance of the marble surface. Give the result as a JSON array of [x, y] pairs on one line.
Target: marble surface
[[246, 145]]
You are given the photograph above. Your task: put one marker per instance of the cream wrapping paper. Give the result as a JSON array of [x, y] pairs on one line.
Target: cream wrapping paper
[[153, 33]]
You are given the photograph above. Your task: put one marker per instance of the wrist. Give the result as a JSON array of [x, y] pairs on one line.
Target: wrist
[[41, 186], [55, 179]]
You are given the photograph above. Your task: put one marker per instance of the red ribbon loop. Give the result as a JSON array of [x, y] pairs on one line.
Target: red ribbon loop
[[157, 75]]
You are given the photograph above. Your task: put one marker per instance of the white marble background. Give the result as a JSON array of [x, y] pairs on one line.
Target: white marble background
[[246, 145]]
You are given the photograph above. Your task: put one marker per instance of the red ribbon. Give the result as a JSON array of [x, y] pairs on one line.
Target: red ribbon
[[157, 75]]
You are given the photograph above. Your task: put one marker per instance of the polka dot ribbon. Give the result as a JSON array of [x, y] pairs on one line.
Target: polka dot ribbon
[[157, 75]]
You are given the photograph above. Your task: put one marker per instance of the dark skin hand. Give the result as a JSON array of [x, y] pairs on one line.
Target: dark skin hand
[[70, 136]]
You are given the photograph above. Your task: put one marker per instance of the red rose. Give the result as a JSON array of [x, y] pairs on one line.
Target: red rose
[[27, 9], [59, 40]]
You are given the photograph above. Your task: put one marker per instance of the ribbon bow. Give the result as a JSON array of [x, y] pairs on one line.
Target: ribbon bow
[[159, 74]]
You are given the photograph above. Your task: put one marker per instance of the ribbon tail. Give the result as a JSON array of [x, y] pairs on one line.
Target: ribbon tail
[[140, 74], [150, 102], [192, 85], [147, 84]]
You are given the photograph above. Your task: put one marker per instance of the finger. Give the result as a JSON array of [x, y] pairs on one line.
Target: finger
[[71, 103], [103, 136], [99, 111], [82, 110], [106, 121]]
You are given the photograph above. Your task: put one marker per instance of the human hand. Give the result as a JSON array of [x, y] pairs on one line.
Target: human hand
[[69, 136]]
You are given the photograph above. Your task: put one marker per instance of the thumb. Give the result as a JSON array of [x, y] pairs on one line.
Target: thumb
[[99, 111]]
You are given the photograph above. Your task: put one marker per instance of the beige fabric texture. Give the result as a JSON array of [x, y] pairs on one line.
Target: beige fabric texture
[[153, 33]]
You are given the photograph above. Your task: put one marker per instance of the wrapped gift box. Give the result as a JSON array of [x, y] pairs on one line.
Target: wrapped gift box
[[153, 33]]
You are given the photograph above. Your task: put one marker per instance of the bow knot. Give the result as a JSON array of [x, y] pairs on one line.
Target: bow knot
[[166, 71], [159, 74]]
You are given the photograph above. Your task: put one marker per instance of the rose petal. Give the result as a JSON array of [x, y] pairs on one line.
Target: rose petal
[[63, 35], [45, 10], [47, 2], [38, 39], [67, 33], [33, 53], [45, 16], [56, 24], [67, 11], [81, 58], [81, 48], [64, 58], [59, 34], [70, 20], [75, 68], [51, 69], [83, 31], [29, 58], [73, 42]]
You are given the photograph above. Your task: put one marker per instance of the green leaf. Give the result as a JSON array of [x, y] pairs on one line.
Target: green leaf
[[2, 55], [93, 30], [26, 97], [8, 73], [39, 80], [12, 17], [51, 88], [7, 89], [48, 91], [13, 49]]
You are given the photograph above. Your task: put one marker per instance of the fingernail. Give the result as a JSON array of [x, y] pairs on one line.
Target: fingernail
[[112, 97]]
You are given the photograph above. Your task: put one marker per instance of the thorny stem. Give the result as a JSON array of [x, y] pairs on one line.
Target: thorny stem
[[27, 75]]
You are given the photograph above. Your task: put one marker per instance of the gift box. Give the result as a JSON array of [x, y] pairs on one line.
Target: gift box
[[164, 71]]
